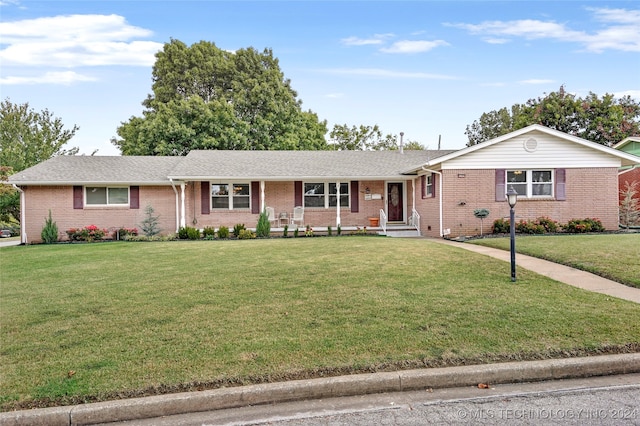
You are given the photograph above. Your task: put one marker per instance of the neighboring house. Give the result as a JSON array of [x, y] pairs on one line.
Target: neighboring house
[[557, 175], [629, 174]]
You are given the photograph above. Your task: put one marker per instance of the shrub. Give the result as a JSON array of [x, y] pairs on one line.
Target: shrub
[[123, 233], [49, 233], [580, 226], [209, 232], [549, 225], [529, 227], [328, 231], [501, 226], [295, 233], [237, 228], [339, 230], [246, 234], [149, 225], [263, 228], [223, 232], [88, 233], [285, 231], [188, 233]]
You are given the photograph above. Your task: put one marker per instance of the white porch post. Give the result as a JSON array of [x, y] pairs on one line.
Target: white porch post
[[413, 195], [262, 200], [183, 208], [338, 203]]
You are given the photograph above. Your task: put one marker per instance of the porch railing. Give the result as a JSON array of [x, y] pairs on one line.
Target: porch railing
[[383, 221], [414, 220]]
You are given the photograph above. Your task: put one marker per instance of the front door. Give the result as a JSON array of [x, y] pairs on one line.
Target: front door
[[395, 202]]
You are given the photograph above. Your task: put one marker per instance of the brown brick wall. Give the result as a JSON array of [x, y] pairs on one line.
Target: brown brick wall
[[59, 199], [590, 193]]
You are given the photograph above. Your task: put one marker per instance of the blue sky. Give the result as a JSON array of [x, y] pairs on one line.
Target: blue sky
[[425, 68]]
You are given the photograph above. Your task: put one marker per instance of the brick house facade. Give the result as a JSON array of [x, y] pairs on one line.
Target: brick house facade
[[556, 175]]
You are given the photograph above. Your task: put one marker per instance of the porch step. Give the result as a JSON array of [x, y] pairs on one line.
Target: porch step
[[404, 233]]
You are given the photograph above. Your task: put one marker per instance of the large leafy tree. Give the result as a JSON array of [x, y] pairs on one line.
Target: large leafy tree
[[27, 138], [207, 98], [605, 120]]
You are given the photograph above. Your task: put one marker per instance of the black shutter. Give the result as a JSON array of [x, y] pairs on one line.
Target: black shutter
[[501, 194], [297, 196], [78, 199], [355, 206], [255, 197], [134, 197], [561, 187], [205, 196]]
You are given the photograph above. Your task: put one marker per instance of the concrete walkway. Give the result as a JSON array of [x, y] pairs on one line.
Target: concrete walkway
[[561, 273]]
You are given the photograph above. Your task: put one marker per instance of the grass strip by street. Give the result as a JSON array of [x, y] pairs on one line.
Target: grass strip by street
[[88, 322], [612, 256]]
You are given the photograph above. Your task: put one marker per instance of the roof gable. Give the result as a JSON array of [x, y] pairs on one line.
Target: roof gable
[[587, 148]]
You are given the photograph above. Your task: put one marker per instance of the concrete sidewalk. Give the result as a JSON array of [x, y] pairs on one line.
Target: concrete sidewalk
[[561, 273]]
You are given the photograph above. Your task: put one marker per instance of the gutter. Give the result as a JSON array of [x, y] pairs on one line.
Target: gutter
[[439, 194], [23, 215]]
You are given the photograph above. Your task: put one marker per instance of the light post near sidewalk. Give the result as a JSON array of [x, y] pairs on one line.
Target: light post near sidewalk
[[512, 199]]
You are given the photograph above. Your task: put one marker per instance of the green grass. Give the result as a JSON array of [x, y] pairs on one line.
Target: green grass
[[86, 322], [613, 256]]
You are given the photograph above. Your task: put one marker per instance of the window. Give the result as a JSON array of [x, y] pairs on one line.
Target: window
[[230, 196], [428, 185], [106, 196], [325, 194], [531, 183]]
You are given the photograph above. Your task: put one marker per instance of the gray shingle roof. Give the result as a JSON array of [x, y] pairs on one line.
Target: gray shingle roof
[[67, 169], [203, 165], [282, 165]]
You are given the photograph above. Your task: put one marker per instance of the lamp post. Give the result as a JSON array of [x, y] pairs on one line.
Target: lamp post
[[512, 199]]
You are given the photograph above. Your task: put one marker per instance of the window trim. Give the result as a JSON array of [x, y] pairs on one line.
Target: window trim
[[230, 196], [327, 195], [107, 204], [529, 183]]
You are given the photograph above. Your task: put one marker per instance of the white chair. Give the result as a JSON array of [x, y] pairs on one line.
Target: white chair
[[298, 215], [271, 214]]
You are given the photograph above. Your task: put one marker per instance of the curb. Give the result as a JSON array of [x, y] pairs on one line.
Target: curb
[[359, 384]]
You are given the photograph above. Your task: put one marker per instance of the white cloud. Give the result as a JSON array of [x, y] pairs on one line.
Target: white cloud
[[63, 78], [76, 40], [413, 46], [377, 72], [536, 81], [633, 93], [334, 95], [375, 40], [621, 33]]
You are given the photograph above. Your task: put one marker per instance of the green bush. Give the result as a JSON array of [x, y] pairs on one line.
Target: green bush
[[285, 231], [188, 233], [339, 230], [549, 224], [88, 233], [223, 232], [581, 226], [237, 228], [501, 226], [529, 227], [245, 234], [49, 233], [209, 232], [263, 228], [328, 231], [295, 233], [123, 233], [150, 224]]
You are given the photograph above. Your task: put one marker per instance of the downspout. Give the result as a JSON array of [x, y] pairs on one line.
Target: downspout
[[183, 208], [338, 220], [23, 215], [262, 200], [177, 205], [439, 194]]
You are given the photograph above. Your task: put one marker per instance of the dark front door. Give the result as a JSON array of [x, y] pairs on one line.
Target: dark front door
[[395, 203]]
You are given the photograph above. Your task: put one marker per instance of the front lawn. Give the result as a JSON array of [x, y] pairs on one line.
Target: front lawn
[[87, 322], [613, 256]]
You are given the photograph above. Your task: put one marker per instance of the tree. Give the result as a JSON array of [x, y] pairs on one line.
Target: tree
[[605, 120], [28, 137], [207, 98], [150, 224], [630, 205], [361, 138]]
